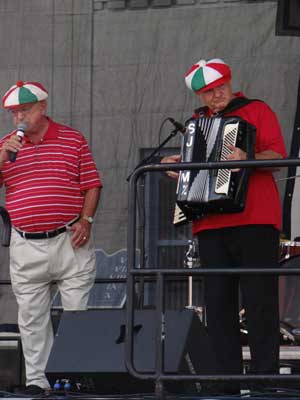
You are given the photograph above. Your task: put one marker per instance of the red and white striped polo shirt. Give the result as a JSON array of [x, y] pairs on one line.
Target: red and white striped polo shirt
[[45, 185]]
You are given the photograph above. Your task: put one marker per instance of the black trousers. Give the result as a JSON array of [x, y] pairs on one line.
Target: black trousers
[[246, 246]]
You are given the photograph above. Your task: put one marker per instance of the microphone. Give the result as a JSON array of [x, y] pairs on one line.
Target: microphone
[[181, 128], [21, 128]]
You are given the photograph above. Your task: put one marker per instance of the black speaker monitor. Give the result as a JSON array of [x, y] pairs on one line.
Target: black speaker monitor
[[89, 350], [288, 18]]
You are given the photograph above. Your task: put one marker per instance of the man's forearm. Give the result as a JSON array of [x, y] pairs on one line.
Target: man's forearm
[[91, 201], [268, 155]]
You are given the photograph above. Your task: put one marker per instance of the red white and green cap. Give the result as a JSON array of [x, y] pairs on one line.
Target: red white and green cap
[[205, 75], [23, 93]]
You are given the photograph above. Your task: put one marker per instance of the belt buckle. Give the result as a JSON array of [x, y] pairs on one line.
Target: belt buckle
[[47, 234]]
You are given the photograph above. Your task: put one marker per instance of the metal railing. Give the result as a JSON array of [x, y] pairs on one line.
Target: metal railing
[[159, 376], [5, 240]]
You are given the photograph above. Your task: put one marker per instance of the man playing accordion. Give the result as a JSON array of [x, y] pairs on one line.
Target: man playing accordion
[[247, 238]]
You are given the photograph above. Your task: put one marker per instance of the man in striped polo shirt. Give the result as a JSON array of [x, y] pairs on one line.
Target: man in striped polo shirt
[[52, 192]]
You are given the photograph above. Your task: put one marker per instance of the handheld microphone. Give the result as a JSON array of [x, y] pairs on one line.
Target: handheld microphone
[[181, 128], [21, 128]]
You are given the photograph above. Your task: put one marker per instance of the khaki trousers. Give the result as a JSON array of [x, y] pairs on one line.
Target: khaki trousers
[[34, 265]]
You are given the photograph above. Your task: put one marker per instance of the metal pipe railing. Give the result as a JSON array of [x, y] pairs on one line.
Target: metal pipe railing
[[5, 241], [159, 375]]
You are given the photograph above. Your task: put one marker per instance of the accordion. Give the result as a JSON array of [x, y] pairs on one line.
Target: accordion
[[201, 192]]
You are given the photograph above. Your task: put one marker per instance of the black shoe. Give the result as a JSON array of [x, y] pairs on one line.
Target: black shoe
[[32, 390]]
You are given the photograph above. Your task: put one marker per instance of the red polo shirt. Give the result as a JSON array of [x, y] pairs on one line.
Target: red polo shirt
[[45, 185], [263, 202]]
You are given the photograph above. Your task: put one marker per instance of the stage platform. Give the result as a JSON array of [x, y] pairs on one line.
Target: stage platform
[[272, 395], [289, 364]]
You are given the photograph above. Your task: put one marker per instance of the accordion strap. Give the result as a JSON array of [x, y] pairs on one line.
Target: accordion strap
[[235, 104]]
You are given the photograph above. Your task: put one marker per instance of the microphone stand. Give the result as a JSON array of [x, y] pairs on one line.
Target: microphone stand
[[141, 228], [154, 152], [189, 264]]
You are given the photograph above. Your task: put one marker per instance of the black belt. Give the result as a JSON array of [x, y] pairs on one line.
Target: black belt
[[48, 234]]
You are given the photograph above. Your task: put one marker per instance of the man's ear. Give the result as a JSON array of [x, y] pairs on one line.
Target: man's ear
[[43, 105]]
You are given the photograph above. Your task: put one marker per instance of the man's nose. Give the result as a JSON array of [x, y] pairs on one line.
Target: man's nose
[[20, 115], [217, 92]]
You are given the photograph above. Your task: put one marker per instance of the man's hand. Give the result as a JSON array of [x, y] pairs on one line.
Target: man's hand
[[81, 232], [236, 154], [175, 158], [12, 144], [82, 228]]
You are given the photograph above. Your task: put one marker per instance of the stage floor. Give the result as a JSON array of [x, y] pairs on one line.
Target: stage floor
[[290, 364], [266, 396]]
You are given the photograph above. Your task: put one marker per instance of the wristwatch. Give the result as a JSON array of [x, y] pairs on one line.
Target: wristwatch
[[88, 219]]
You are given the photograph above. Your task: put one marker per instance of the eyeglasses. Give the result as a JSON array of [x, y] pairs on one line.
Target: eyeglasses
[[23, 110]]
